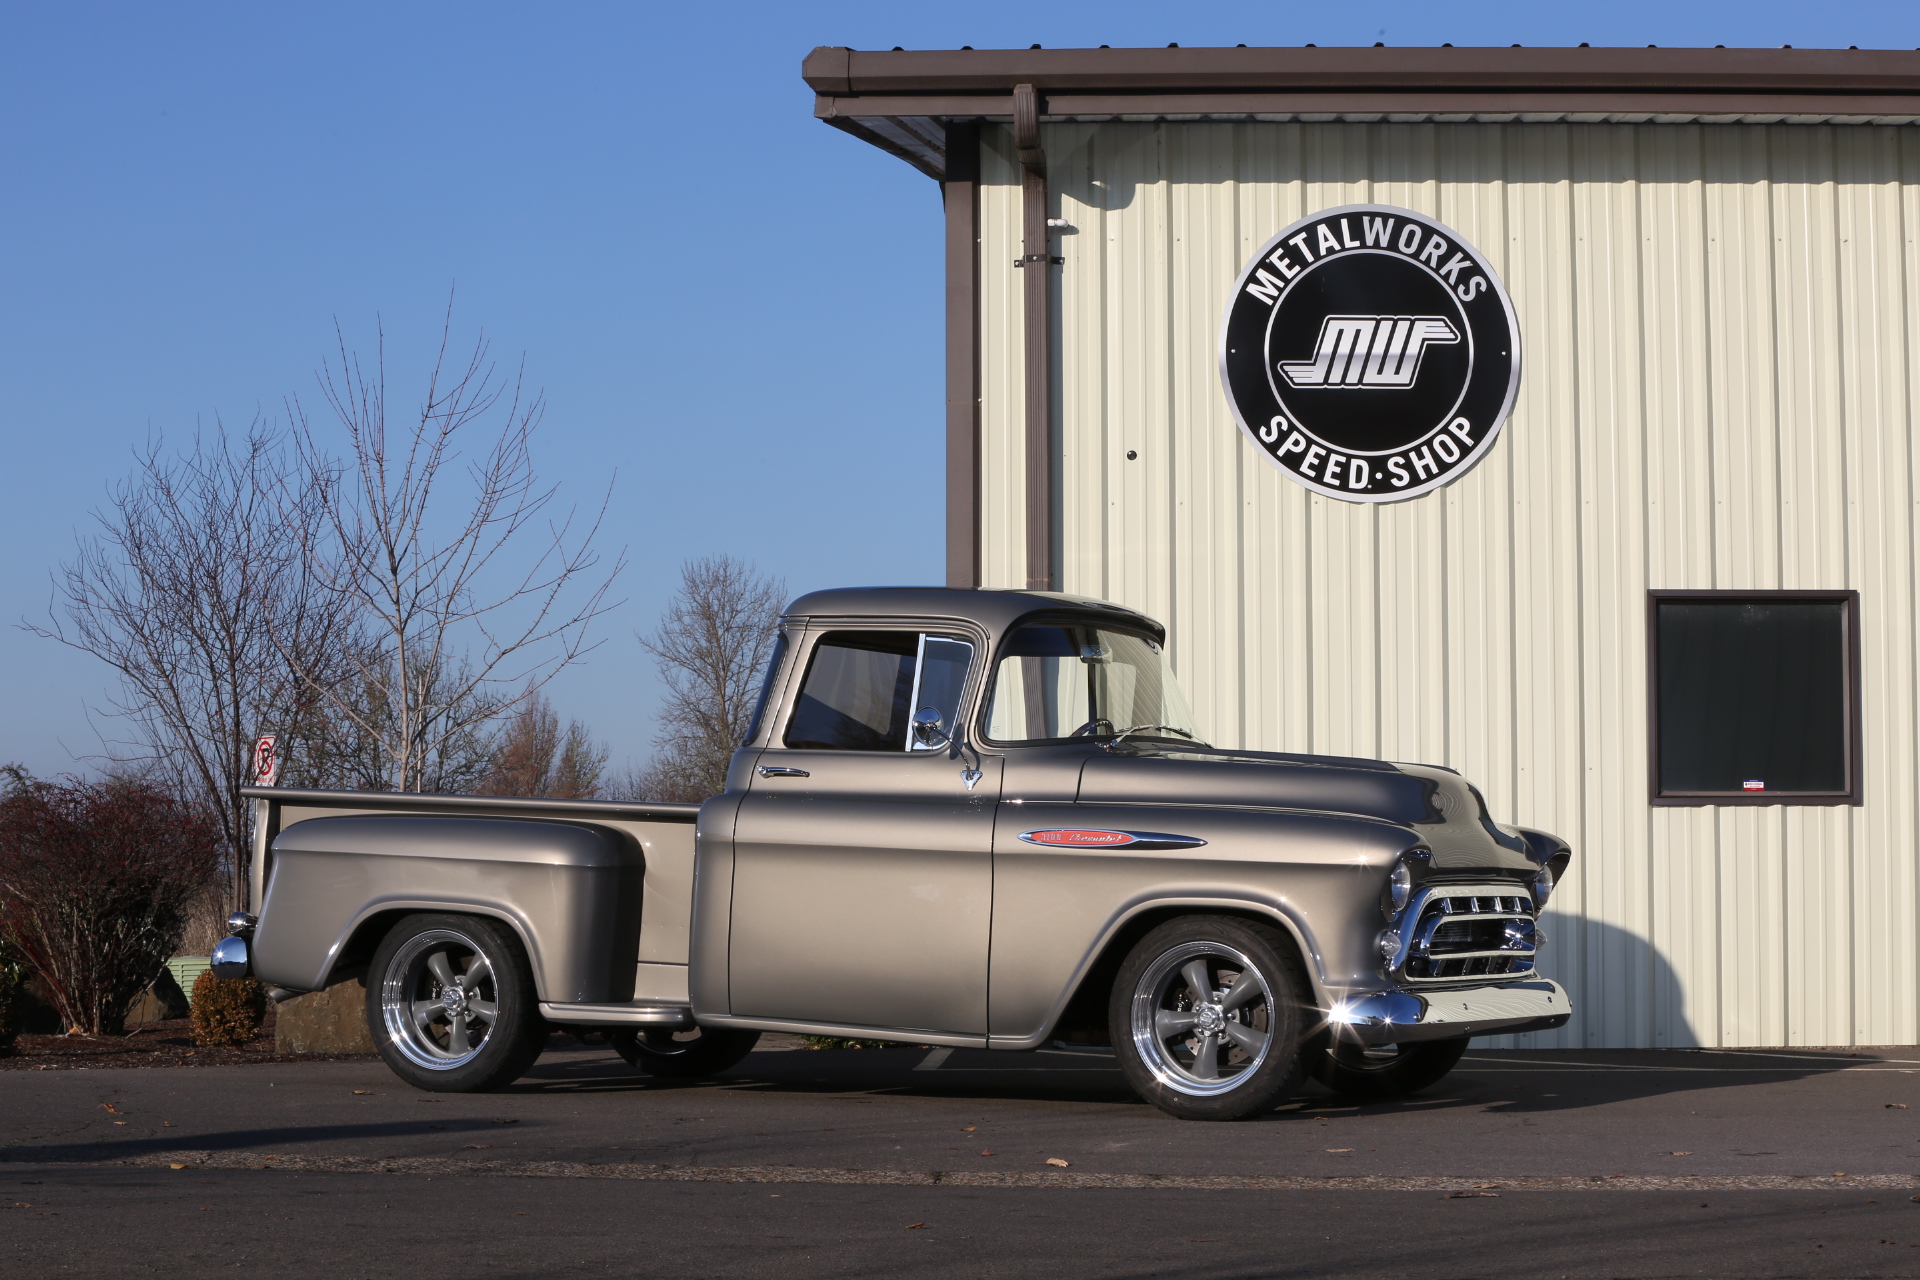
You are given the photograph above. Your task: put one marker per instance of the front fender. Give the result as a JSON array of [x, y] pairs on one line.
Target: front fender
[[1056, 910], [1194, 900]]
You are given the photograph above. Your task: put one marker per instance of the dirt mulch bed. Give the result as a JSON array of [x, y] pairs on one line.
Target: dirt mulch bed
[[152, 1044]]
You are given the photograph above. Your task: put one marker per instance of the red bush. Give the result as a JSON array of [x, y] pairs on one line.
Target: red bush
[[96, 881]]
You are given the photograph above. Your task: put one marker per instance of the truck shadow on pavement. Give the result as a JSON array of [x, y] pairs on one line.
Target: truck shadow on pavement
[[1501, 1081], [236, 1140]]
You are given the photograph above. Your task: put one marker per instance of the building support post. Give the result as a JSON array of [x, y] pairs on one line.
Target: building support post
[[1037, 258], [960, 193]]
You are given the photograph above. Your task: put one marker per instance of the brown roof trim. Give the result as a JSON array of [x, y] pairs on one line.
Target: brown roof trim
[[949, 72], [1429, 104], [898, 100]]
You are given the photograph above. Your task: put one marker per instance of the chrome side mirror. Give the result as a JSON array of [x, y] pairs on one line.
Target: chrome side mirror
[[928, 732]]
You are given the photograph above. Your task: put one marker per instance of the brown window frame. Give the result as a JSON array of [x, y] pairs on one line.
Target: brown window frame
[[1850, 654]]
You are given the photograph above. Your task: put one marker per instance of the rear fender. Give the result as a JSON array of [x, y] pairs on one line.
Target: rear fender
[[570, 891]]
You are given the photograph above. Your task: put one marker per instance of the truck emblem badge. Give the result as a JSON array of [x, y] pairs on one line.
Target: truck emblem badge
[[1370, 353], [1082, 838]]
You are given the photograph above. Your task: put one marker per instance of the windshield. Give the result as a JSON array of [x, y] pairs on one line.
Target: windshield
[[1058, 682]]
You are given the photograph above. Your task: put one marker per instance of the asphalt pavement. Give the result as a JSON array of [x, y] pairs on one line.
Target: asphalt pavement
[[968, 1163]]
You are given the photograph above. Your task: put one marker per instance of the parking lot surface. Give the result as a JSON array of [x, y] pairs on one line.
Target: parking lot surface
[[934, 1162]]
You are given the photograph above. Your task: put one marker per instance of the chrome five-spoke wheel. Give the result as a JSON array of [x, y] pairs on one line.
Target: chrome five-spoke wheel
[[685, 1053], [451, 1003], [1207, 1017], [439, 1000], [1202, 1018]]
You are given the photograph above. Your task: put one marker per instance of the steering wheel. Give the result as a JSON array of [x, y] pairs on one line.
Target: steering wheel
[[1092, 728]]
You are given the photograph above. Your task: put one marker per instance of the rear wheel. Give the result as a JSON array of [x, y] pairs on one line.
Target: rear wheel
[[451, 1004], [689, 1054], [1386, 1071], [1208, 1018]]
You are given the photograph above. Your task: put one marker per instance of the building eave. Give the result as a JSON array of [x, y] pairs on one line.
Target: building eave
[[899, 99]]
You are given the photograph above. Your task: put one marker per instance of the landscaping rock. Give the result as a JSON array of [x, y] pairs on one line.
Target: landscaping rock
[[161, 1002], [330, 1021]]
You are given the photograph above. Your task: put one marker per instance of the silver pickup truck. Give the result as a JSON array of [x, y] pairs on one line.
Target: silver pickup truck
[[970, 818]]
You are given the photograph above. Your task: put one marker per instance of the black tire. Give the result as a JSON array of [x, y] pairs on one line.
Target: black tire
[[1354, 1071], [1254, 1061], [486, 1029], [682, 1055]]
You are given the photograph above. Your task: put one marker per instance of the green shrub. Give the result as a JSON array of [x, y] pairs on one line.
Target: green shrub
[[227, 1010]]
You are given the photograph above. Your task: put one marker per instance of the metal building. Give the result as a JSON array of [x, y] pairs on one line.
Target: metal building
[[1711, 256]]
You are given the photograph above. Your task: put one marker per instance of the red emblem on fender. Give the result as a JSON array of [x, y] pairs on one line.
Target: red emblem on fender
[[1078, 838]]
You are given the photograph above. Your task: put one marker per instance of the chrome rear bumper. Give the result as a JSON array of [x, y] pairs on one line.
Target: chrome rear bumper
[[1400, 1015]]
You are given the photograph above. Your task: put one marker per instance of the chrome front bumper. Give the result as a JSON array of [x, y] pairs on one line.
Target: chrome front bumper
[[1401, 1015]]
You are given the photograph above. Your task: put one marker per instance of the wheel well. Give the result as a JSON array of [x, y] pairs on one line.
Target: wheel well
[[358, 951], [1084, 1021], [357, 954]]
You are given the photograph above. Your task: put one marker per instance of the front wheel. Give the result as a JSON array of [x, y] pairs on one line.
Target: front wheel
[[1392, 1071], [451, 1004], [1208, 1018], [682, 1055]]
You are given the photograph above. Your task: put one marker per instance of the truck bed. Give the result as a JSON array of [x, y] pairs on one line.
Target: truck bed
[[599, 891]]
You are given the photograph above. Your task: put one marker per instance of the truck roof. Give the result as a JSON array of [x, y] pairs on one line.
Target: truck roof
[[995, 610]]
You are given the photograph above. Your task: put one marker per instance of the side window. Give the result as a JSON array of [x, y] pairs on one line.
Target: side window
[[766, 686], [942, 679], [862, 688]]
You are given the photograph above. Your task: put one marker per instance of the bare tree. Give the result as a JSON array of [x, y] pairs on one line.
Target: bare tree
[[534, 758], [712, 646], [177, 590], [448, 624]]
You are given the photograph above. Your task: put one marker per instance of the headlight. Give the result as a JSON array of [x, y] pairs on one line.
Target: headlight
[[1393, 900], [1542, 886]]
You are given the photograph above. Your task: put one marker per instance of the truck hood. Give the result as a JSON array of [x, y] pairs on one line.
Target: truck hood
[[1445, 811]]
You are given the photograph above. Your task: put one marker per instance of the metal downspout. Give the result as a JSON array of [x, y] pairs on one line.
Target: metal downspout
[[1038, 260]]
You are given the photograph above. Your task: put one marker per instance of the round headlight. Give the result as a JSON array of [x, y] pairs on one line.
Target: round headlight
[[1399, 889], [1542, 886]]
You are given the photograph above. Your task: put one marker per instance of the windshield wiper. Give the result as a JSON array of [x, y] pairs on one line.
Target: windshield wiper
[[1142, 728]]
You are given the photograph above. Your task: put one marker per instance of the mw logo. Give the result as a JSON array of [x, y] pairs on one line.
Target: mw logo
[[1369, 351]]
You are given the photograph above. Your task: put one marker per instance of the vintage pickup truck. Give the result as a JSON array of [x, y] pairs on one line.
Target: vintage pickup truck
[[967, 818]]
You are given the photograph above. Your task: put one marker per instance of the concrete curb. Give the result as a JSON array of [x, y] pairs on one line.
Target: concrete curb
[[445, 1167]]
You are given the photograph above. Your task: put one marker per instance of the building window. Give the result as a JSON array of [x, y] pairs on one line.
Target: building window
[[1755, 697]]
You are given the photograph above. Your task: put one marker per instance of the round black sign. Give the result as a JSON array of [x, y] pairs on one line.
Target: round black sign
[[1370, 353]]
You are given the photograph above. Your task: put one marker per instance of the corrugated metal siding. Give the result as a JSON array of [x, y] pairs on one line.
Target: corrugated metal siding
[[1720, 342]]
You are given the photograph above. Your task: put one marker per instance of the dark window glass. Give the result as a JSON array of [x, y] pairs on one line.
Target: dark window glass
[[766, 686], [1753, 696], [943, 678], [856, 694]]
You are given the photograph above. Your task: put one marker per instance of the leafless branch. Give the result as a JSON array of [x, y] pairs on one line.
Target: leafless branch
[[454, 614], [712, 645]]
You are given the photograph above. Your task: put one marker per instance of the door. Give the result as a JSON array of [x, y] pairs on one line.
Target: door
[[863, 869]]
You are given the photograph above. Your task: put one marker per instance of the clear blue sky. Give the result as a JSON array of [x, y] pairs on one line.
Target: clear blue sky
[[731, 305]]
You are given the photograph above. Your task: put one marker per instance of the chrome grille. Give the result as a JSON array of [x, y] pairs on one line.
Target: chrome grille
[[1479, 931]]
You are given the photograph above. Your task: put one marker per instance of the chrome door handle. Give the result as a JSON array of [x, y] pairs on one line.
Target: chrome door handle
[[781, 771]]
